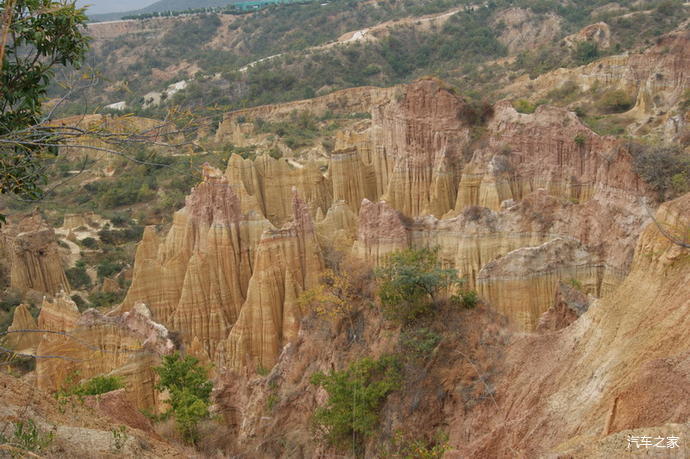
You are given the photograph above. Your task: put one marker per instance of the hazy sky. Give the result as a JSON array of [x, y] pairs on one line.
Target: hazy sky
[[113, 6]]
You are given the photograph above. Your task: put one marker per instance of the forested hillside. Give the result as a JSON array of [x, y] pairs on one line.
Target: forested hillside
[[291, 51]]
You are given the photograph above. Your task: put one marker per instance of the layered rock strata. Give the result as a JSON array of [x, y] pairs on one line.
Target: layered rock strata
[[569, 304], [224, 277], [620, 366], [551, 150], [32, 249], [195, 279], [598, 235], [287, 262], [128, 346], [523, 283]]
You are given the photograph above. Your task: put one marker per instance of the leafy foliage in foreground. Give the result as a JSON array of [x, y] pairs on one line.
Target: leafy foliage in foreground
[[27, 436], [411, 282], [44, 34], [190, 391], [355, 397]]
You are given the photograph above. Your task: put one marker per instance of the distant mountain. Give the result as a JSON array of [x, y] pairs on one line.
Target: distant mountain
[[159, 6], [96, 7]]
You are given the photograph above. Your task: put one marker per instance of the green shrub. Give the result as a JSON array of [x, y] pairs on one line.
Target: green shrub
[[615, 101], [109, 267], [466, 298], [98, 385], [105, 299], [190, 391], [77, 276], [524, 106], [89, 243], [409, 448], [580, 139], [410, 283], [665, 169], [355, 397], [27, 436], [585, 52], [419, 342], [476, 112]]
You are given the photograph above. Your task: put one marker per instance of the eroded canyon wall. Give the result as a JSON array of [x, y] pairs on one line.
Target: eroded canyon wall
[[35, 265]]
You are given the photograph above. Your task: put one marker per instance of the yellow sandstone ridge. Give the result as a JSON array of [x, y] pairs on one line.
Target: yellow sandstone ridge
[[23, 343], [620, 366], [128, 346], [288, 261], [32, 249]]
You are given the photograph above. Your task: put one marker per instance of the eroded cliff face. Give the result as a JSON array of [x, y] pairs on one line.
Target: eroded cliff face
[[597, 236], [551, 150], [31, 246], [288, 261], [618, 367], [657, 77], [223, 276], [195, 279], [418, 143], [75, 346]]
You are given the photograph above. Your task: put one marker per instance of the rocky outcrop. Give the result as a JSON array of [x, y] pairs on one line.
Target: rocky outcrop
[[520, 30], [551, 150], [418, 142], [35, 262], [598, 33], [604, 228], [569, 304], [195, 279], [657, 77], [223, 276], [523, 283], [18, 340], [287, 262], [382, 230], [78, 429], [619, 366], [128, 346], [58, 315], [338, 228], [269, 182]]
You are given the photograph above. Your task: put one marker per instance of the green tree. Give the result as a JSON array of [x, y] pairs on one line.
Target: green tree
[[410, 283], [190, 391], [35, 36], [585, 52], [355, 397]]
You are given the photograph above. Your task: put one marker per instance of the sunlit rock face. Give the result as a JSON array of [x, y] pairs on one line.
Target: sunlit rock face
[[72, 346], [549, 149], [195, 278], [619, 366], [32, 249], [287, 262], [411, 176], [224, 277], [418, 140]]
